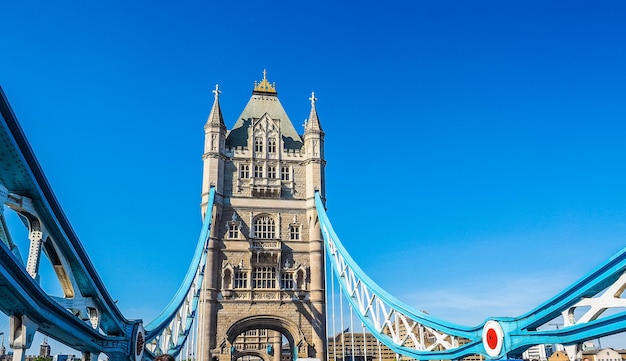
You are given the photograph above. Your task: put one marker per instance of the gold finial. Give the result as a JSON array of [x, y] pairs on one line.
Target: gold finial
[[217, 91], [264, 85]]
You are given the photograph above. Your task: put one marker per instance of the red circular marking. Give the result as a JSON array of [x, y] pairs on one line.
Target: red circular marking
[[492, 338]]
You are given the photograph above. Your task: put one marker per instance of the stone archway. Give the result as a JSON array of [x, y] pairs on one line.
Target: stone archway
[[297, 341]]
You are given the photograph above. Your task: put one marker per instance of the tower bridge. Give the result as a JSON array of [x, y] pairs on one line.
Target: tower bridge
[[257, 283]]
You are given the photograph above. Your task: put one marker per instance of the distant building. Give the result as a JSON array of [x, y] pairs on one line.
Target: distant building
[[558, 356], [535, 353], [605, 354], [44, 353], [44, 349], [361, 346], [358, 346]]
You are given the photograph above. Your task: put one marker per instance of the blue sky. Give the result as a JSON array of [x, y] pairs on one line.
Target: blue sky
[[475, 149]]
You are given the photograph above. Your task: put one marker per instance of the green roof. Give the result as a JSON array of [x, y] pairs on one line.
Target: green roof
[[259, 104]]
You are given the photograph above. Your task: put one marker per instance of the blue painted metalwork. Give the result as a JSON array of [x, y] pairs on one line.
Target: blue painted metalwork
[[400, 327], [27, 186], [86, 318], [186, 297]]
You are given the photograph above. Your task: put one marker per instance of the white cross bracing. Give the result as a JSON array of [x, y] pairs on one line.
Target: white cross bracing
[[606, 300], [592, 307], [383, 319]]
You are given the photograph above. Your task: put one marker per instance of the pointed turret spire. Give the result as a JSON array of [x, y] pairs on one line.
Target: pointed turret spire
[[214, 137], [313, 123], [215, 116]]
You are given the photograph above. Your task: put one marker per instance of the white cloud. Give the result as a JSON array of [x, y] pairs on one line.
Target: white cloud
[[470, 304]]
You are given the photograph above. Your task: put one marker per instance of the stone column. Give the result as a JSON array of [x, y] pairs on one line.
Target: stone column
[[277, 344], [317, 292]]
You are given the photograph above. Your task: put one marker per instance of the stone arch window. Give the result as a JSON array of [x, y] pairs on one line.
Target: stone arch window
[[233, 230], [264, 277], [258, 171], [286, 280], [271, 171], [264, 227], [233, 227], [241, 279], [294, 232], [244, 171], [258, 144], [271, 145]]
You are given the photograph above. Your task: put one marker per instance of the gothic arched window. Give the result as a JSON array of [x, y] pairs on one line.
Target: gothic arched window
[[258, 144], [258, 171], [264, 227], [271, 145], [264, 277], [271, 171]]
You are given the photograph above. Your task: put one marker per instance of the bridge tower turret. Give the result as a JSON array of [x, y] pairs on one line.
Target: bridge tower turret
[[213, 157], [213, 160], [315, 164], [264, 280]]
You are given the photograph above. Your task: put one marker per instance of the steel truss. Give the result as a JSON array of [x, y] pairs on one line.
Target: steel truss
[[418, 335], [85, 318]]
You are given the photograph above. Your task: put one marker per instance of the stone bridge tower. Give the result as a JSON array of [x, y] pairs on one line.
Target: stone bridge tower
[[264, 280]]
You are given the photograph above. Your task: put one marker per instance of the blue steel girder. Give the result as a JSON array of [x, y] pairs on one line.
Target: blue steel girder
[[25, 189], [418, 335], [22, 296]]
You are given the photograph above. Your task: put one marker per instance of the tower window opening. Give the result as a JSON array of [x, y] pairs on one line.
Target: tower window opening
[[264, 277], [271, 145], [271, 172], [294, 232], [258, 144], [241, 279], [284, 173], [258, 171], [244, 171], [233, 230], [286, 281], [264, 228]]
